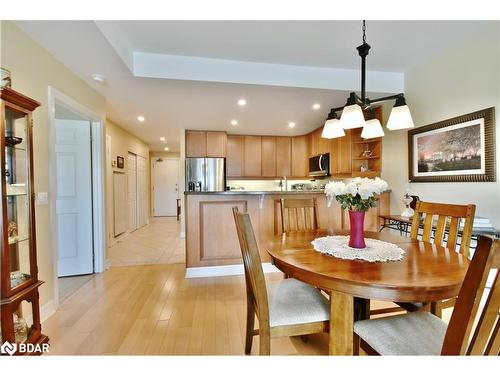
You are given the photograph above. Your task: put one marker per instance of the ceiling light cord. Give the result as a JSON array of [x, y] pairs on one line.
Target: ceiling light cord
[[363, 52]]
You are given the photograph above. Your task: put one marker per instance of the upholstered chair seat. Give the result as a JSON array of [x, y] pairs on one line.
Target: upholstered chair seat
[[293, 302], [419, 333]]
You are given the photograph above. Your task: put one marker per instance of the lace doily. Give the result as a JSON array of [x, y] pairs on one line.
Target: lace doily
[[375, 250]]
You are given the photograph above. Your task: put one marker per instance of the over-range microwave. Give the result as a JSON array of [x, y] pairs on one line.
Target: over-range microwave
[[319, 165]]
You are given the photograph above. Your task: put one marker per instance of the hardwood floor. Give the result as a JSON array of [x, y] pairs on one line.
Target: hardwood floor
[[70, 284], [153, 310]]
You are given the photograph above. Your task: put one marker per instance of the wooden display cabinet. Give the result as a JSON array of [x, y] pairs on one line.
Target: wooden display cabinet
[[20, 310]]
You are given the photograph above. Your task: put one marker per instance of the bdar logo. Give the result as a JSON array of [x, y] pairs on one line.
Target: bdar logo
[[8, 348]]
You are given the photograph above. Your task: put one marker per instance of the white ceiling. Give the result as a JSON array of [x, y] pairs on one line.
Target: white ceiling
[[108, 48]]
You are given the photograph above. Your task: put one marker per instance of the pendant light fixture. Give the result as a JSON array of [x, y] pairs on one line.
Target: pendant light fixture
[[372, 128], [353, 112], [333, 128]]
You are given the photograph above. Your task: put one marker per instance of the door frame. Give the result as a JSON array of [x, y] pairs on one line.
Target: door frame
[[98, 152], [152, 192]]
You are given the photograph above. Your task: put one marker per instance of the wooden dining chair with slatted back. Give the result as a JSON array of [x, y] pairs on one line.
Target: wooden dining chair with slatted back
[[438, 220], [451, 219], [422, 333], [299, 214], [286, 308]]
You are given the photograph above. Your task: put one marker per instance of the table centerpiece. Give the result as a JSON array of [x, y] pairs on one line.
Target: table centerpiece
[[357, 196]]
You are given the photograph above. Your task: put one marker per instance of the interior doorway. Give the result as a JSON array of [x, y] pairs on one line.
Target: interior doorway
[[132, 192], [74, 194], [165, 173], [76, 183]]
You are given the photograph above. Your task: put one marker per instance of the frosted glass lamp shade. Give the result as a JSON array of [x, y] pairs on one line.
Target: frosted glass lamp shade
[[332, 129], [372, 129], [400, 118], [352, 117]]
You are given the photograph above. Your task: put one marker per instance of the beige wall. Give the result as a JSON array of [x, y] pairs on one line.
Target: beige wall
[[122, 142], [33, 70], [462, 79]]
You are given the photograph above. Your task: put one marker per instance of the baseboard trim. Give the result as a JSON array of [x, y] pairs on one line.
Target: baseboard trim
[[47, 310], [231, 270]]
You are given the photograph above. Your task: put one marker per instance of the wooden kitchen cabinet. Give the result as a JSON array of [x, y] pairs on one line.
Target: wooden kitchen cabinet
[[216, 144], [344, 154], [314, 139], [268, 167], [196, 144], [283, 156], [253, 156], [300, 153], [235, 155]]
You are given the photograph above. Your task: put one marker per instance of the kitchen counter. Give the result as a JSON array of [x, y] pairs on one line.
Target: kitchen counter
[[211, 238], [252, 192]]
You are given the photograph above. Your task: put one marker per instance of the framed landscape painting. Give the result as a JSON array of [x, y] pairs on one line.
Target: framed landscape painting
[[460, 149]]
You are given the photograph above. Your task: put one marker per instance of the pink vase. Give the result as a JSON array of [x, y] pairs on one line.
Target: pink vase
[[357, 236]]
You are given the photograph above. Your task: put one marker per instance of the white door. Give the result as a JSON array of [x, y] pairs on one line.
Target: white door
[[74, 198], [120, 202], [132, 192], [165, 187], [142, 192]]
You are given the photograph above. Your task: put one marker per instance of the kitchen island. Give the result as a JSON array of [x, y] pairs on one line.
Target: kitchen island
[[211, 238]]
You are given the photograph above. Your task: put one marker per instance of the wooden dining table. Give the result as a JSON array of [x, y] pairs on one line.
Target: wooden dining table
[[426, 273]]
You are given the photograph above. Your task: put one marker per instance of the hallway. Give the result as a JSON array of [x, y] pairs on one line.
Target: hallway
[[156, 243]]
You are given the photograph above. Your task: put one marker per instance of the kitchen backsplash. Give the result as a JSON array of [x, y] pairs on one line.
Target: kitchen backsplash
[[273, 185]]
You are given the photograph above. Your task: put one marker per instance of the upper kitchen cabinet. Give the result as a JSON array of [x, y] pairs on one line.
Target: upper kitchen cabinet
[[344, 153], [216, 144], [253, 156], [196, 144], [283, 156], [235, 155], [268, 156], [200, 144], [300, 153]]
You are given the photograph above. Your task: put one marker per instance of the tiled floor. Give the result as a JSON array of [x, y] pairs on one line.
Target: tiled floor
[[156, 243]]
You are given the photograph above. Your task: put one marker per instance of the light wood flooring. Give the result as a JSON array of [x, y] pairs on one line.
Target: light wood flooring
[[152, 309]]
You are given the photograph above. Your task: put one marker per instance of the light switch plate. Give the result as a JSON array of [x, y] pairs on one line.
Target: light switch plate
[[42, 198]]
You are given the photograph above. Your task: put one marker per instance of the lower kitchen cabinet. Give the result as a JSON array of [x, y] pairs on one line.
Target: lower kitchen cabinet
[[211, 238]]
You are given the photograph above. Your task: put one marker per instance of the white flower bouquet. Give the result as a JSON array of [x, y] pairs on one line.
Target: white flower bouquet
[[356, 195]]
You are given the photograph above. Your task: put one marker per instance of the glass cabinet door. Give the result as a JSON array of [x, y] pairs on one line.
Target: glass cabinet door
[[18, 199]]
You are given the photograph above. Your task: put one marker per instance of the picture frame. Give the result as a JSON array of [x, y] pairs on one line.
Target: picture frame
[[459, 149], [120, 162]]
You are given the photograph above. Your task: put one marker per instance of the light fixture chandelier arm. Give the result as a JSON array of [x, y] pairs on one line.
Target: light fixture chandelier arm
[[354, 111]]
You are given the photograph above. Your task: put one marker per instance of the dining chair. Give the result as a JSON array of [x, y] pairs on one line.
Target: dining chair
[[299, 214], [287, 308], [449, 220], [437, 220], [422, 333]]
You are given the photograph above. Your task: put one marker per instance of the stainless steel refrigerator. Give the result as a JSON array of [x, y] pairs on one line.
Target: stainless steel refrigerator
[[205, 174]]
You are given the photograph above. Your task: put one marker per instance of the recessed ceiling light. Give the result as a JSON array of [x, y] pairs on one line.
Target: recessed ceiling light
[[242, 102], [234, 122], [141, 118], [162, 139], [166, 148], [291, 124], [98, 78], [316, 106]]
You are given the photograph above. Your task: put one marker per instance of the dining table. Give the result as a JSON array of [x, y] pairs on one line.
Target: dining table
[[426, 273]]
